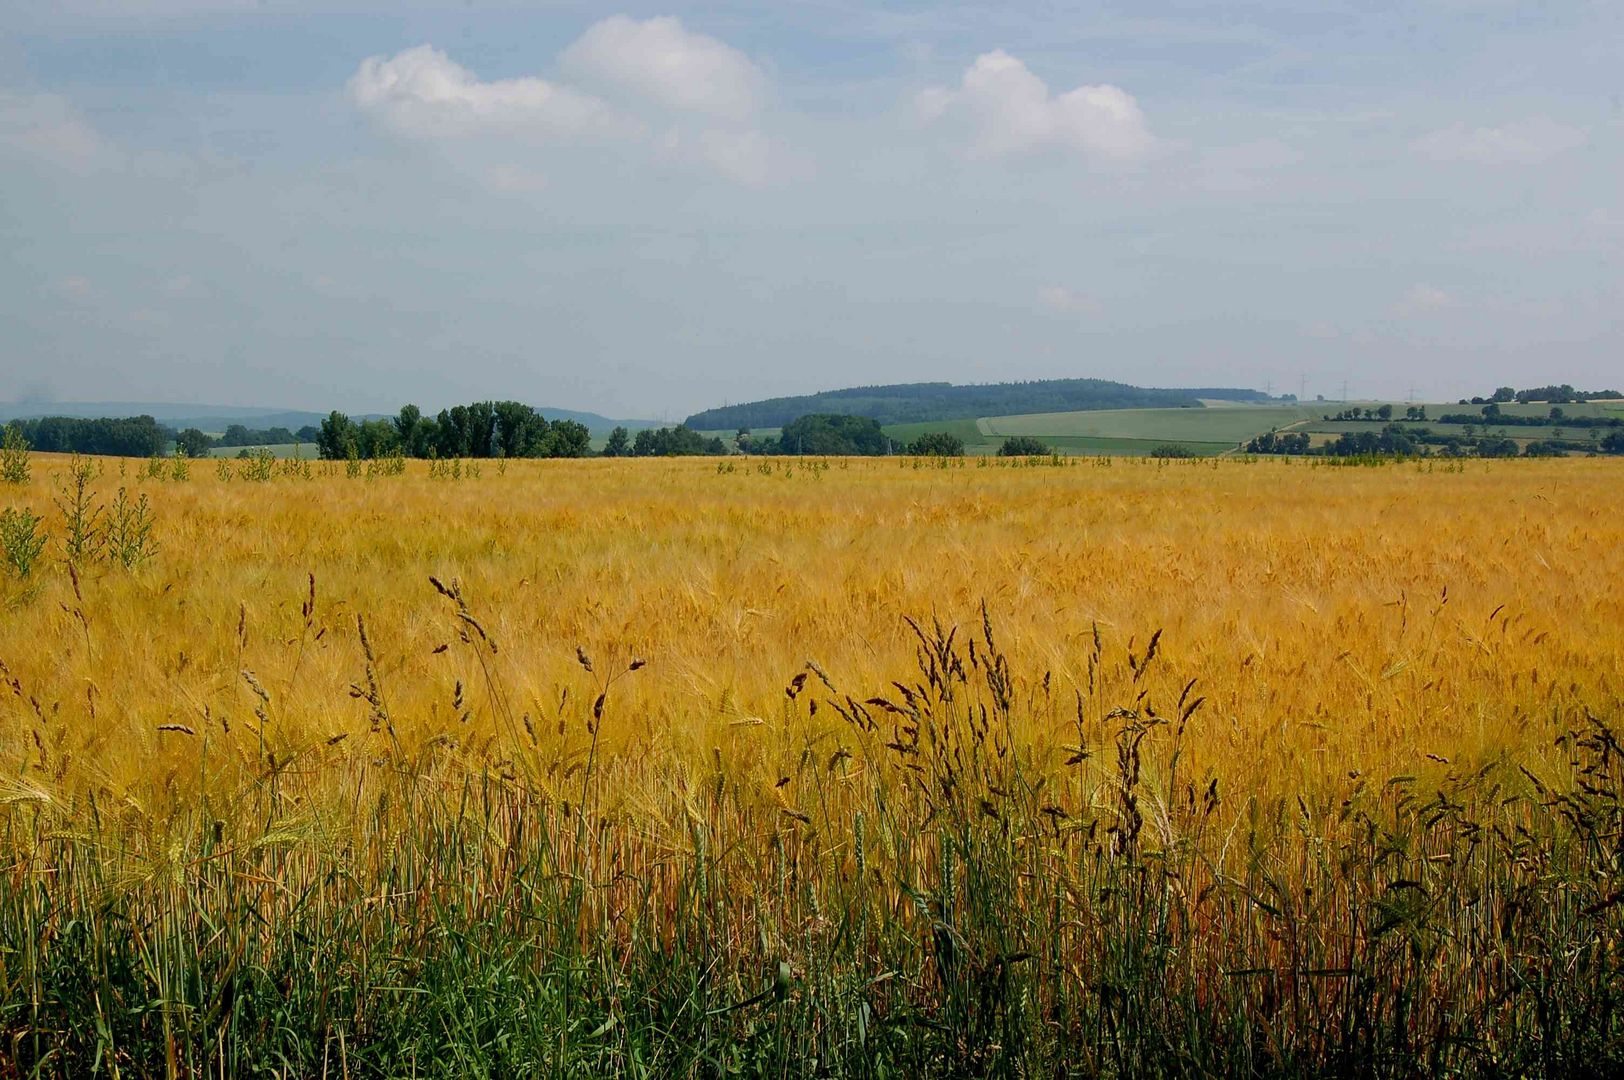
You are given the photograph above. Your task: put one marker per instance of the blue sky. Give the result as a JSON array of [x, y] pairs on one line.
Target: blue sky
[[645, 210]]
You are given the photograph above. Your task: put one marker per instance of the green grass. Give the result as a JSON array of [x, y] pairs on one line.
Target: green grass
[[1073, 444], [1227, 425], [977, 441], [1212, 430], [974, 441]]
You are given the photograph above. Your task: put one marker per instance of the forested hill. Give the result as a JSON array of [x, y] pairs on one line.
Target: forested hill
[[906, 403]]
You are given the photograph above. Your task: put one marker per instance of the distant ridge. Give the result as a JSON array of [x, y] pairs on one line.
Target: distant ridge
[[908, 403], [219, 417]]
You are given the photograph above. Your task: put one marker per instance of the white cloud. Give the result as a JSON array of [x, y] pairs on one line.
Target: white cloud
[[659, 60], [1521, 142], [47, 127], [421, 91], [1422, 298], [1011, 111], [1060, 298]]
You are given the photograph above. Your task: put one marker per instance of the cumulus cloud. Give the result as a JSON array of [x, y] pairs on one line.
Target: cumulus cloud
[[422, 91], [47, 127], [661, 61], [1059, 298], [1521, 142], [1010, 111], [703, 94]]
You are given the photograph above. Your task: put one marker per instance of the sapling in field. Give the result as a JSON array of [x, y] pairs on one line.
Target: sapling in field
[[81, 538], [21, 541], [129, 531], [14, 456]]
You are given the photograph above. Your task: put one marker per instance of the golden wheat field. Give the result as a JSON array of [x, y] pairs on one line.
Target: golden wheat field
[[801, 718], [1335, 619]]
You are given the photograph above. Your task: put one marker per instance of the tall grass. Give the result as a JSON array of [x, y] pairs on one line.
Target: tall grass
[[927, 894], [476, 827]]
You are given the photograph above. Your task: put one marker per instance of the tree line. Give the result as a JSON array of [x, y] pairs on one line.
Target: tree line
[[483, 429], [1564, 394], [1396, 440], [127, 436], [935, 401]]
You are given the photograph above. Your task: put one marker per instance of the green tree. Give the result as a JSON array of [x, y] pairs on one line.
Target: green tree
[[937, 444], [835, 434], [619, 444], [376, 439], [564, 439], [194, 442], [679, 441], [409, 427], [519, 430], [14, 456], [1023, 446], [339, 438]]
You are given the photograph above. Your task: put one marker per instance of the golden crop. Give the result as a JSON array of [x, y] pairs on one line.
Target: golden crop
[[1035, 766], [1334, 619]]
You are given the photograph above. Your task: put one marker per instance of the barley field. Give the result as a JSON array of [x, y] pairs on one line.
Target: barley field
[[871, 767]]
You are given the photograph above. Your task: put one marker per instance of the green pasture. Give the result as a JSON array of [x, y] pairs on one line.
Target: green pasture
[[1226, 425], [304, 451]]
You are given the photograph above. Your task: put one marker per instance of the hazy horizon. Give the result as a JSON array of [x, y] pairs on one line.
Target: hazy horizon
[[645, 211]]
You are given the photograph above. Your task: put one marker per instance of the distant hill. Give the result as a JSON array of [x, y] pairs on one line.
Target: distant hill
[[207, 417], [908, 403], [220, 417]]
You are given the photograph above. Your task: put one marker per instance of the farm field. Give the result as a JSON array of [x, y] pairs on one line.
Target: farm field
[[859, 767], [974, 441], [1227, 425], [1118, 431], [302, 451], [1216, 429]]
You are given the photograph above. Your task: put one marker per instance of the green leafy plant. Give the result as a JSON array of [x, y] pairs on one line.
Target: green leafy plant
[[21, 541], [14, 456], [82, 538], [128, 538], [257, 465]]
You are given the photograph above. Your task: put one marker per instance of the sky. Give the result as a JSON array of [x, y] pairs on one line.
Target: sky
[[648, 210]]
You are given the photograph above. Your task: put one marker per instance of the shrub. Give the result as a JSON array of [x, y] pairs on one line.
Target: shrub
[[82, 540], [129, 531], [14, 456], [1023, 446], [937, 444], [21, 541]]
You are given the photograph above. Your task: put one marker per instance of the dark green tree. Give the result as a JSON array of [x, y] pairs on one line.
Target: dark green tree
[[194, 442], [937, 444], [339, 437], [619, 444], [834, 434], [564, 439], [409, 427], [1023, 446]]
